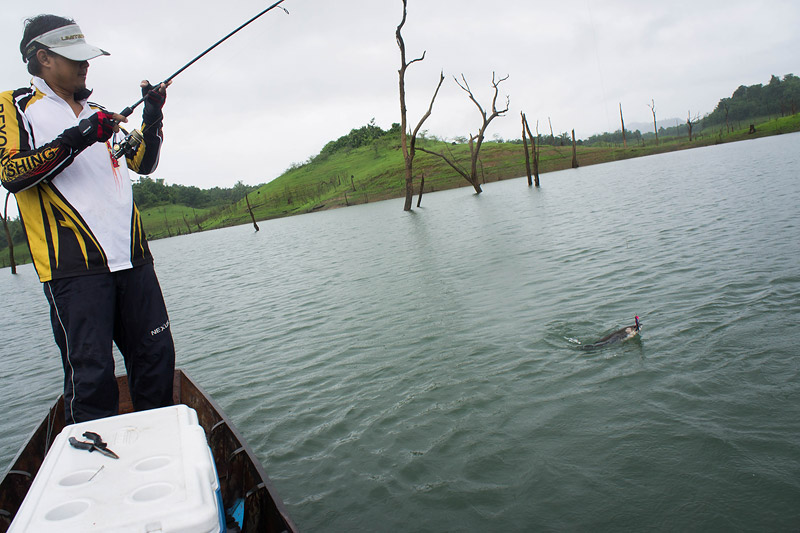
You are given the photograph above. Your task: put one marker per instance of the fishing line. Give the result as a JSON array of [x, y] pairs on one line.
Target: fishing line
[[133, 139]]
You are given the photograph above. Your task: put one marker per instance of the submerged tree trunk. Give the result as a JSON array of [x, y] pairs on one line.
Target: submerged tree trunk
[[652, 107], [526, 133], [622, 121], [535, 150], [250, 210], [8, 237], [574, 151], [421, 188], [473, 172], [527, 155]]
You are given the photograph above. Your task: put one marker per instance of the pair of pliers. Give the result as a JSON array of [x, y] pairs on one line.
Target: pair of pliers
[[96, 444]]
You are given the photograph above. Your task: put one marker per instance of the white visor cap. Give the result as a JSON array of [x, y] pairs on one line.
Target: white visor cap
[[68, 42]]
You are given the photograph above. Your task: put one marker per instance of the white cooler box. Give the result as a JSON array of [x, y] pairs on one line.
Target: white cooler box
[[163, 482]]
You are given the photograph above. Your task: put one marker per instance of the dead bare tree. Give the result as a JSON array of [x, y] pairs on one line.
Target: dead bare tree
[[409, 146], [476, 141], [622, 121], [8, 237], [652, 106], [690, 122]]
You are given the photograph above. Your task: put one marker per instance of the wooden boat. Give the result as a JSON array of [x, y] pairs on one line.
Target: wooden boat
[[241, 476]]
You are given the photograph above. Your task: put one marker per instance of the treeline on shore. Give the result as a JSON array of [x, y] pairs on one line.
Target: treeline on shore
[[150, 192]]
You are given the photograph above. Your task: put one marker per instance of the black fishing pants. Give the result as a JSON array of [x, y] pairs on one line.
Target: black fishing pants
[[127, 308]]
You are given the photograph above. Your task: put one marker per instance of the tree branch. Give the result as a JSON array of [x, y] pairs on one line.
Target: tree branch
[[466, 89], [496, 86], [399, 37], [401, 43], [449, 162], [418, 59], [427, 113]]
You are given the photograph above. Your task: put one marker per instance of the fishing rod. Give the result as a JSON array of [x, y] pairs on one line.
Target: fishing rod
[[132, 140]]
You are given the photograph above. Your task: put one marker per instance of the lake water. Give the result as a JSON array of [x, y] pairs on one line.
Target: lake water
[[420, 371]]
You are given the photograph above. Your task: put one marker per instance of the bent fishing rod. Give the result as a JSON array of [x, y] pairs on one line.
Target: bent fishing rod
[[133, 139]]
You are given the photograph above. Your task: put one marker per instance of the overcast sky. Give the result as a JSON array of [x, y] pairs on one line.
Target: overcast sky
[[276, 92]]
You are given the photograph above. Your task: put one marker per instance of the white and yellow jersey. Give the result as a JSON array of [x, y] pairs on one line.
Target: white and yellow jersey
[[76, 206]]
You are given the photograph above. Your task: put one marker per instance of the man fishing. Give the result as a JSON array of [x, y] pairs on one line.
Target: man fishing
[[84, 231]]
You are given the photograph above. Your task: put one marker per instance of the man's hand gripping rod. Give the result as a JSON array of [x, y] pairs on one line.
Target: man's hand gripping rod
[[134, 138]]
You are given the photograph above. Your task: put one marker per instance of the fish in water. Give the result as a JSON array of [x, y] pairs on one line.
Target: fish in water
[[628, 332]]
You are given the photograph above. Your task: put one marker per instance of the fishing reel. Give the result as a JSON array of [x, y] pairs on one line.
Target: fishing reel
[[129, 145]]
